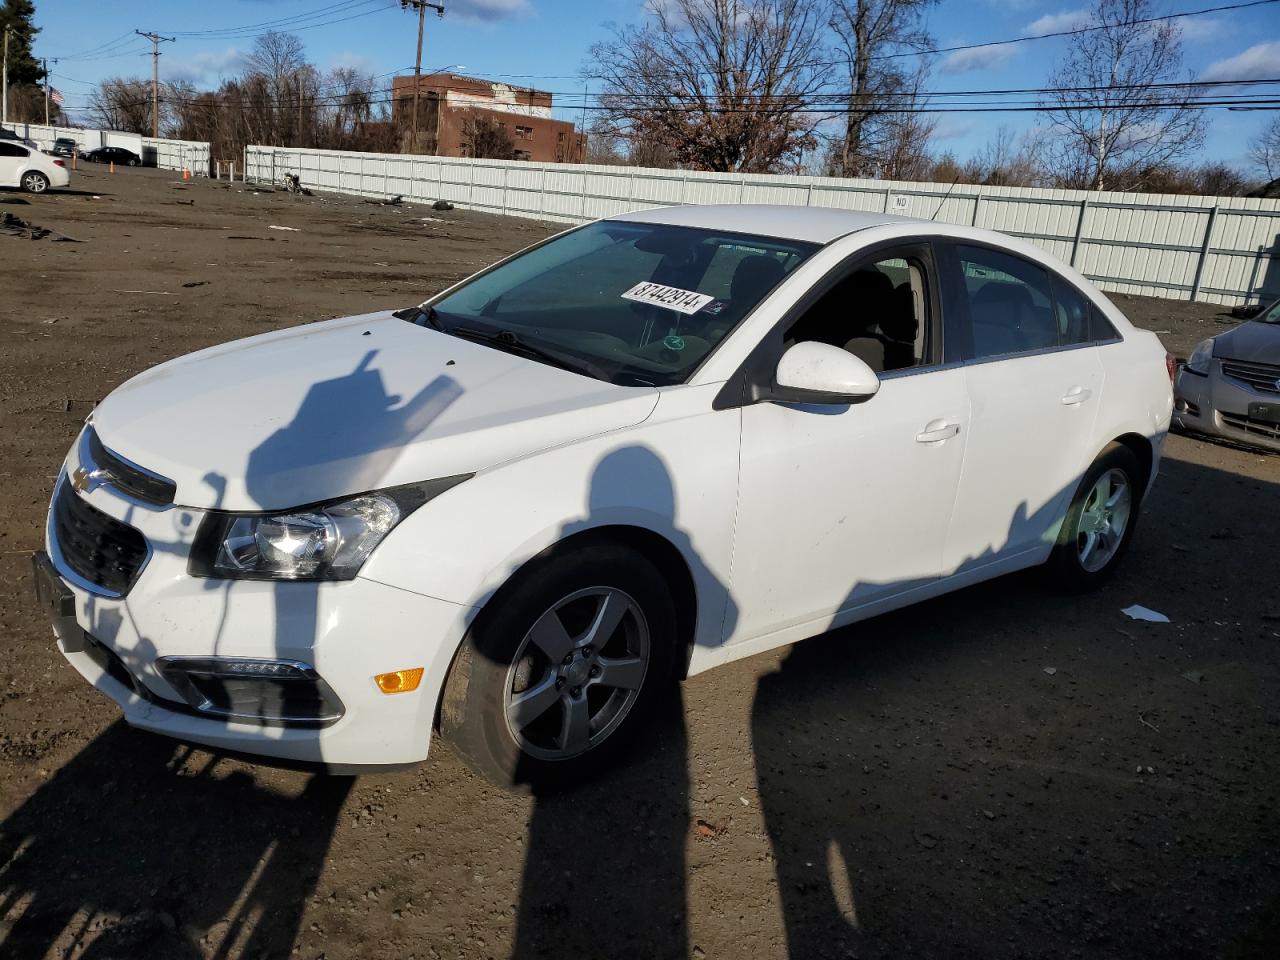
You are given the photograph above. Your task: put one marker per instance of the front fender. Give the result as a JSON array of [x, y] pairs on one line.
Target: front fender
[[674, 475]]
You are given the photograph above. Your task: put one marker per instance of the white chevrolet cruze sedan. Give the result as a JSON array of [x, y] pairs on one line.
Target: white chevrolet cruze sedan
[[637, 450]]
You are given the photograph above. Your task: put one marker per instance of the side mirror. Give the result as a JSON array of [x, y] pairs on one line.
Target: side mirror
[[811, 372]]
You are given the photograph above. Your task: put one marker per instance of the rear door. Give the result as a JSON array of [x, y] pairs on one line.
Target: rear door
[[1034, 391], [13, 160]]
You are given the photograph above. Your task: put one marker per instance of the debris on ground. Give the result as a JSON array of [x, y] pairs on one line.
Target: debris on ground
[[1051, 670], [709, 830], [196, 283], [1193, 676], [17, 227], [290, 229], [392, 202], [1139, 612], [442, 205]]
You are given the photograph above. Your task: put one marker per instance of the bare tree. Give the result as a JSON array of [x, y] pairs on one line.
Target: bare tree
[[485, 138], [867, 33], [1112, 121], [718, 84], [1264, 149], [119, 103]]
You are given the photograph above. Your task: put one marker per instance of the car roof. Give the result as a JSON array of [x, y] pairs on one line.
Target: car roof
[[811, 224]]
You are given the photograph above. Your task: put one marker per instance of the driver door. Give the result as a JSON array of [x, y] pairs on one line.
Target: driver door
[[845, 506]]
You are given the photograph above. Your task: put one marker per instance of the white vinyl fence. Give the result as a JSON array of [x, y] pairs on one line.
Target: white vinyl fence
[[158, 152], [1216, 249]]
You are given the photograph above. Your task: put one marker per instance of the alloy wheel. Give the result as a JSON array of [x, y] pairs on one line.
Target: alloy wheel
[[577, 673], [1103, 520], [34, 183]]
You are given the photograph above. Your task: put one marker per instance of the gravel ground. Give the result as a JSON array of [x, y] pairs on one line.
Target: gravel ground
[[1000, 773]]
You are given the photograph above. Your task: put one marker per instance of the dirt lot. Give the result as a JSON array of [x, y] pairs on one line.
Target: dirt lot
[[1001, 773]]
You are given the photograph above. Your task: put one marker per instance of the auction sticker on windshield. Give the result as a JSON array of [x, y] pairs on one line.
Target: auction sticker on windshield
[[673, 298]]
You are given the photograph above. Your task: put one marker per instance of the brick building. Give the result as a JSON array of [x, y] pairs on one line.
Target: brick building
[[449, 105]]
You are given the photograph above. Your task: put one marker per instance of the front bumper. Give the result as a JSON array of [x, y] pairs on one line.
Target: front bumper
[[1218, 406], [349, 632]]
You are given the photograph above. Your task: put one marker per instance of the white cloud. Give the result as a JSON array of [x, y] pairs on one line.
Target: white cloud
[[488, 10], [1055, 22], [1259, 62], [205, 67], [980, 58]]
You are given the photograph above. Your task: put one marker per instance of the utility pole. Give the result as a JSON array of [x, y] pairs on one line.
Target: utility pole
[[155, 39], [44, 62], [421, 7], [4, 85]]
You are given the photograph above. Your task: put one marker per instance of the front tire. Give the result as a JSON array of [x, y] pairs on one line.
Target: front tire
[[133, 163], [1100, 521], [562, 668], [33, 181]]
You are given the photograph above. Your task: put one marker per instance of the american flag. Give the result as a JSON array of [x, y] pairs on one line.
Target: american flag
[[55, 95]]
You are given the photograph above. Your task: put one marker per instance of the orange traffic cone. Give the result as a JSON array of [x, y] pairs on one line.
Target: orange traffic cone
[[113, 167], [186, 174]]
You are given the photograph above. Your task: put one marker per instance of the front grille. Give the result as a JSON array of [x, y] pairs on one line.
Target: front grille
[[1259, 428], [129, 477], [99, 548], [1260, 376]]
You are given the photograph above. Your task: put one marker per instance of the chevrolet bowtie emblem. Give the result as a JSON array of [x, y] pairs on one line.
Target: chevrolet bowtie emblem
[[83, 481]]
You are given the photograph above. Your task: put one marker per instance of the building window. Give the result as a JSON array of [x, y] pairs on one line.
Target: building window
[[523, 155], [524, 133]]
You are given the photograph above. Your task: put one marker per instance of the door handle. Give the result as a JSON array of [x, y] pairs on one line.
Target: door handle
[[936, 431], [1076, 395]]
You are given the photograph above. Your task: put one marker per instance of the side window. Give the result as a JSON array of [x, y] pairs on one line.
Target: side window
[[1100, 328], [12, 150], [876, 311], [1010, 304], [1072, 312]]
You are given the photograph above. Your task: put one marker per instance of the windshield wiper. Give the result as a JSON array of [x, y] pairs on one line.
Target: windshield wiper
[[421, 316], [511, 342]]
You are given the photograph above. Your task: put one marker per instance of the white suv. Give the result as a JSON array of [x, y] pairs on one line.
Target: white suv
[[25, 166], [635, 451]]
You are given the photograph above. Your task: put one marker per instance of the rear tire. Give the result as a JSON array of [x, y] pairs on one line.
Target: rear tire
[[562, 668], [1099, 523], [33, 181], [133, 163]]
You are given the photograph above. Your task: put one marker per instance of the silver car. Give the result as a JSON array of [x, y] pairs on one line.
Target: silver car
[[1230, 387]]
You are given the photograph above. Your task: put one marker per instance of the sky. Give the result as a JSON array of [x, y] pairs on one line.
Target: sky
[[544, 43]]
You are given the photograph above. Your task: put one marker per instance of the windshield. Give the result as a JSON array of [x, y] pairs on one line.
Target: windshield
[[635, 303], [1270, 316]]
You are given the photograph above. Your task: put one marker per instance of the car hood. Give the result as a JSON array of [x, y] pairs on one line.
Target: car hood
[[345, 406], [1259, 342]]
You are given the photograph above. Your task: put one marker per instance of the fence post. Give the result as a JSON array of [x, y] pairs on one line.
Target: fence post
[[1075, 244], [582, 209], [542, 190], [885, 208], [1204, 252], [742, 188], [808, 195], [977, 202], [506, 171]]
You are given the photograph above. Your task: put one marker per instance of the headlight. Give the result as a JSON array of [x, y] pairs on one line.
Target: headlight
[[326, 541], [1200, 357]]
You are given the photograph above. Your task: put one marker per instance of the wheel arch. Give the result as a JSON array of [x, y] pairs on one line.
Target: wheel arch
[[665, 556], [1142, 448]]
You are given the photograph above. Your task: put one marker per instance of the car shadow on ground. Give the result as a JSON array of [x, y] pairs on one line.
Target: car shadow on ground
[[141, 848], [955, 779]]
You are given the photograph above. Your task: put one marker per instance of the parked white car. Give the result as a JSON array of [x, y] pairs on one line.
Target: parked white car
[[22, 165], [635, 451]]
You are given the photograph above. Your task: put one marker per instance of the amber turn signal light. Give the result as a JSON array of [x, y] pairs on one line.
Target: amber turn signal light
[[399, 681]]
